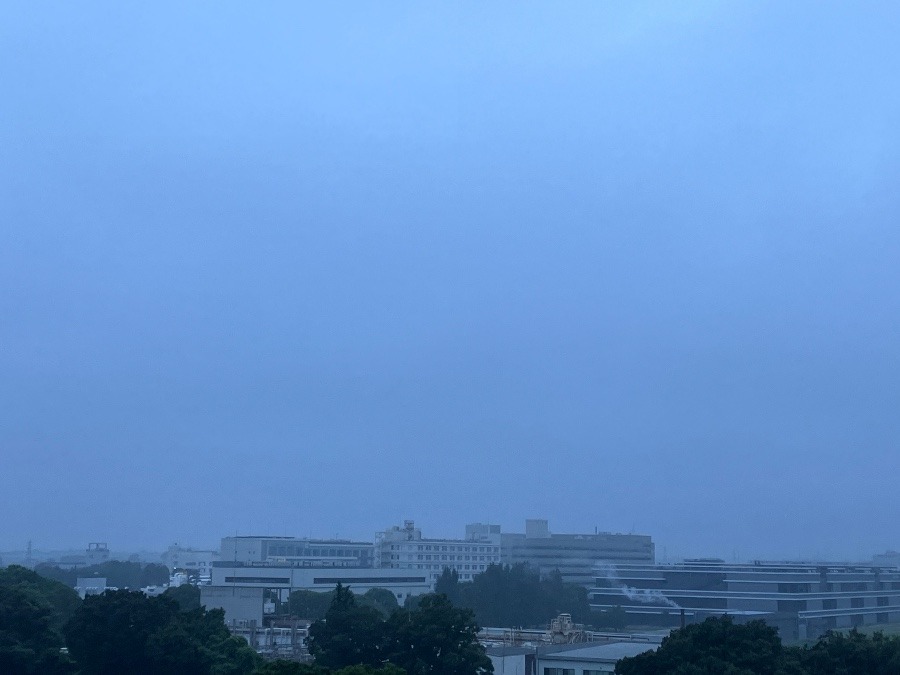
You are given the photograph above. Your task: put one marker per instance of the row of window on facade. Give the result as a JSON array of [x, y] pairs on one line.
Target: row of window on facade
[[313, 552], [459, 558], [456, 567], [437, 547]]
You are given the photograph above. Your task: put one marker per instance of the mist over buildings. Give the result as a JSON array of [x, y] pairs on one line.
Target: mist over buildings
[[312, 271]]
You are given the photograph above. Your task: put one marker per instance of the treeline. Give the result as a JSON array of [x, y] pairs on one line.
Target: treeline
[[115, 632], [313, 605], [118, 574], [435, 637], [721, 646], [33, 611], [127, 632], [516, 596]]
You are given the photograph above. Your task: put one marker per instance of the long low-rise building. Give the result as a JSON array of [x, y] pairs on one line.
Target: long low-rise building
[[239, 588], [270, 549], [802, 599]]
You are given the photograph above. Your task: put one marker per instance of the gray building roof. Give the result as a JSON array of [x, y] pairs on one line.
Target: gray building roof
[[608, 653]]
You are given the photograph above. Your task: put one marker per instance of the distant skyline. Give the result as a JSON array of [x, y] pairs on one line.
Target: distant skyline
[[314, 269]]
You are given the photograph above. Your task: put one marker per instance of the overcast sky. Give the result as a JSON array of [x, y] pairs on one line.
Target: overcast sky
[[314, 268]]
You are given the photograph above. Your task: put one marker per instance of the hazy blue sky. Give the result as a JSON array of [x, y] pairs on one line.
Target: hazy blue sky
[[314, 268]]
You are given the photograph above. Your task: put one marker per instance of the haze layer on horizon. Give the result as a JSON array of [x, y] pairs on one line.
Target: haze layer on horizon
[[314, 270]]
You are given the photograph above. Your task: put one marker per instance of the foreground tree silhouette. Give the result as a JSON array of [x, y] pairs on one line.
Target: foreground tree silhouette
[[349, 635], [436, 637], [516, 595], [719, 646], [854, 652], [714, 646], [28, 642], [127, 632]]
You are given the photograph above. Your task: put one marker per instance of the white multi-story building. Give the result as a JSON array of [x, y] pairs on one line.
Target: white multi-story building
[[189, 559], [405, 548]]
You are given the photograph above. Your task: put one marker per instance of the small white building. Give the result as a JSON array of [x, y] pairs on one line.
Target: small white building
[[85, 586]]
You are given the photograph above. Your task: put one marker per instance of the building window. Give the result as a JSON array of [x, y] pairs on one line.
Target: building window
[[559, 671]]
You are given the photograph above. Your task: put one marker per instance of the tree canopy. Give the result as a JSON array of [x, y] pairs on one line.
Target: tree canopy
[[281, 667], [127, 632], [118, 574], [718, 645], [380, 599], [516, 595], [435, 637], [349, 635], [32, 612], [314, 605], [187, 596], [311, 605]]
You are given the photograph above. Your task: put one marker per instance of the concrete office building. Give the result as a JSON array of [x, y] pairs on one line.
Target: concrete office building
[[313, 552], [574, 555], [405, 548], [802, 600]]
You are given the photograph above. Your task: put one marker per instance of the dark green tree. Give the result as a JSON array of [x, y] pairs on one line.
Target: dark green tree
[[310, 605], [448, 584], [349, 635], [412, 601], [613, 619], [186, 595], [109, 632], [283, 667], [839, 653], [721, 646], [380, 599], [516, 595], [127, 632], [28, 642], [718, 645], [436, 637], [118, 574], [560, 596], [62, 599], [387, 669]]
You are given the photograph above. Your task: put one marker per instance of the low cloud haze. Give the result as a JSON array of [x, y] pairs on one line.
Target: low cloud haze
[[311, 271]]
